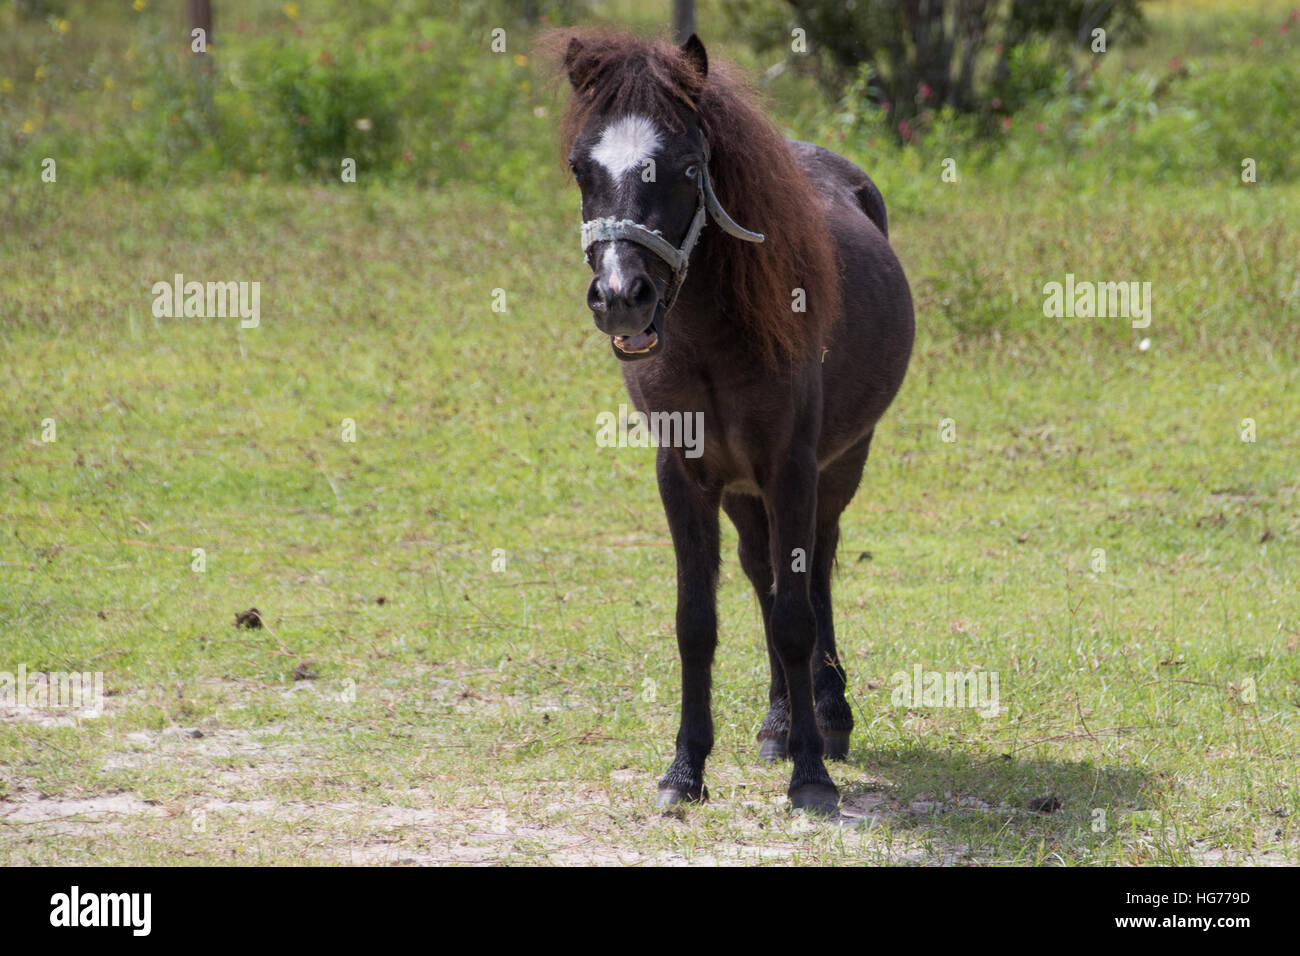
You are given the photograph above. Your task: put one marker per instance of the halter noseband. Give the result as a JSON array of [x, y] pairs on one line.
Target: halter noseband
[[608, 229]]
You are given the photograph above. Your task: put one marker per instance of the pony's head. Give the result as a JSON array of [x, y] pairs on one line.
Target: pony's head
[[649, 133], [640, 161]]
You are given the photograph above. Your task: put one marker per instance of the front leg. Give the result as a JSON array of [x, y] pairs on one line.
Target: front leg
[[692, 513], [792, 508]]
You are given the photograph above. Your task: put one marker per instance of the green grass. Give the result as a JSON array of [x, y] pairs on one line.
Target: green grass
[[464, 714], [527, 713]]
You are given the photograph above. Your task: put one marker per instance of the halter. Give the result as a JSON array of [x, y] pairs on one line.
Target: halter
[[608, 229]]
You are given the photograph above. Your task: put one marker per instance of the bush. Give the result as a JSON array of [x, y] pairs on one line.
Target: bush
[[329, 107], [407, 95], [1186, 121], [958, 54]]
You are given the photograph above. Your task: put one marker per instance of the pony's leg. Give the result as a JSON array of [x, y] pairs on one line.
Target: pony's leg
[[835, 489], [750, 518], [692, 514], [791, 518]]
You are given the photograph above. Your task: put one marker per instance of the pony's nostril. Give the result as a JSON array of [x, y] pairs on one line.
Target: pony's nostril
[[640, 293], [595, 297]]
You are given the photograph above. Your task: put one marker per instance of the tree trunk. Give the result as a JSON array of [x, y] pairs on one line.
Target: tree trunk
[[683, 20], [201, 19]]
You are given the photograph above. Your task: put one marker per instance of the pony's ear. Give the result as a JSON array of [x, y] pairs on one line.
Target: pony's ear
[[694, 50], [573, 64]]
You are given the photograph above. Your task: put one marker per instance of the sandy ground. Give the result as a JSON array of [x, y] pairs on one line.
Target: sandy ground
[[409, 831]]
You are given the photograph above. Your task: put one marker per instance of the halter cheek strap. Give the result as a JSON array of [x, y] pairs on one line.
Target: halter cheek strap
[[609, 229]]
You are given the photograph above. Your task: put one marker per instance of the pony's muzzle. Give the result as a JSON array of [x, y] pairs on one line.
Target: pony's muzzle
[[621, 304], [622, 309], [626, 302]]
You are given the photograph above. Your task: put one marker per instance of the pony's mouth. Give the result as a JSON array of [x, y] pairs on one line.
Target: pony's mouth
[[636, 344], [643, 344]]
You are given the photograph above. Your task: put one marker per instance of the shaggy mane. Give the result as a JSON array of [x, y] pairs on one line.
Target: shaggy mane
[[754, 175]]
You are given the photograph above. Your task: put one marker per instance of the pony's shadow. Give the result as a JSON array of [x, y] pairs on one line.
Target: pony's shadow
[[975, 807]]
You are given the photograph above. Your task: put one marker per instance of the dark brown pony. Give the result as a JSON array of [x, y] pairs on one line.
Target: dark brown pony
[[791, 344]]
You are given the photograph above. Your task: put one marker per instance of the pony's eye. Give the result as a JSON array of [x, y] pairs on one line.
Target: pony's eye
[[692, 172]]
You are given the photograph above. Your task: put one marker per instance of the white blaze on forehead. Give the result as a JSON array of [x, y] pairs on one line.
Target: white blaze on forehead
[[626, 144]]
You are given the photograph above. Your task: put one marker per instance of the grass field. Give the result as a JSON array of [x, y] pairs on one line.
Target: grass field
[[468, 653]]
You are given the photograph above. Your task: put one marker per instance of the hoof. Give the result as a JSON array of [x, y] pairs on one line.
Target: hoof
[[819, 798], [773, 749], [837, 744], [669, 797]]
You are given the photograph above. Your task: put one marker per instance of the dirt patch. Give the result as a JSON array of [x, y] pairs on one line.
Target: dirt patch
[[33, 807], [229, 816], [356, 833], [39, 717]]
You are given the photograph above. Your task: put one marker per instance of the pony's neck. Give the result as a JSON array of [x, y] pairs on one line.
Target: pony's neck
[[703, 318]]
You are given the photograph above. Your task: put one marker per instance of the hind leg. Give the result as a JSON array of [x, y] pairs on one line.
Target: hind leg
[[749, 516], [835, 489], [790, 496]]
